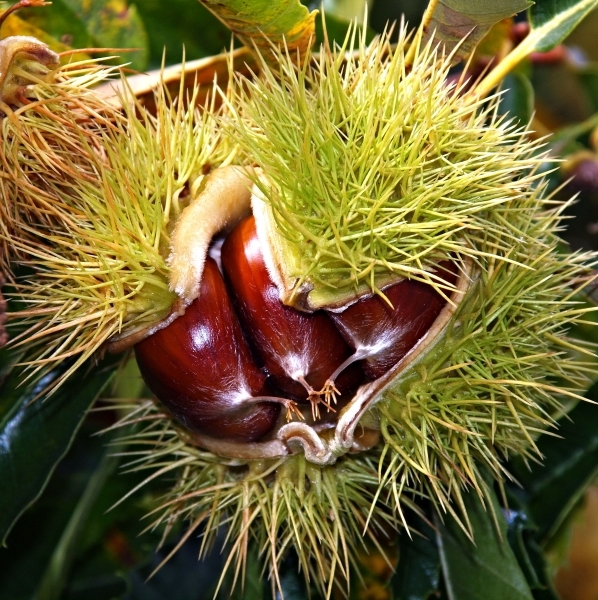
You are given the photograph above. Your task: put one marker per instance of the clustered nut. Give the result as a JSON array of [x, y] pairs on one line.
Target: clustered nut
[[226, 367], [299, 350]]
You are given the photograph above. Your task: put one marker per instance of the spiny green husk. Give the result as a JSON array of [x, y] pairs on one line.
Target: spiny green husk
[[501, 370], [369, 168], [47, 142], [504, 367], [93, 193], [376, 168], [484, 392], [276, 504]]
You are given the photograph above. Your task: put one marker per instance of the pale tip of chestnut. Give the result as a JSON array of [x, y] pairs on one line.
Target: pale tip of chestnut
[[223, 200]]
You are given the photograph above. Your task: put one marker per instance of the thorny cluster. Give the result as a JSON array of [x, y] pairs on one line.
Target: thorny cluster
[[361, 167]]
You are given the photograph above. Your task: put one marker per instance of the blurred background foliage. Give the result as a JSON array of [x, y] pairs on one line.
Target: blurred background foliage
[[59, 478]]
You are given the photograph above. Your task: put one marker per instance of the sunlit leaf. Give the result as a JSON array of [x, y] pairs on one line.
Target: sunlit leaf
[[94, 24], [346, 10], [553, 20], [14, 25], [493, 43], [113, 24], [261, 23]]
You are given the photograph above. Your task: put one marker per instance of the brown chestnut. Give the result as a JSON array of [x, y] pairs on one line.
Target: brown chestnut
[[382, 331], [201, 368], [300, 350]]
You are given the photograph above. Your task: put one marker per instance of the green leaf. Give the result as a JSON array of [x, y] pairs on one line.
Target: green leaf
[[336, 30], [57, 21], [260, 23], [346, 10], [589, 78], [96, 24], [518, 99], [488, 569], [181, 24], [552, 490], [553, 20], [37, 535], [466, 22], [57, 571], [382, 13], [113, 24], [527, 551], [418, 573], [35, 435]]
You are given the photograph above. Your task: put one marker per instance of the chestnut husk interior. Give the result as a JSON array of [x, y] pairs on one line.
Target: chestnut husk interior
[[192, 375]]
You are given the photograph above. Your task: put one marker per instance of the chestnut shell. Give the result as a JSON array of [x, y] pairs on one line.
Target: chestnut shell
[[391, 330], [201, 368], [288, 341]]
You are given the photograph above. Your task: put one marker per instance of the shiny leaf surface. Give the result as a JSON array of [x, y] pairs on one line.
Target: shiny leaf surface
[[553, 20], [40, 541], [487, 569], [35, 435], [553, 489]]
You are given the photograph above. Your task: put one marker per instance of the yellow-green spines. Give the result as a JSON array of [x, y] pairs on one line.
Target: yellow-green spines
[[375, 167], [278, 505], [504, 367], [92, 192], [366, 167]]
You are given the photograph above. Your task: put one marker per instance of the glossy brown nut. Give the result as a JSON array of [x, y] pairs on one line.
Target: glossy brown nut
[[201, 368], [292, 344], [382, 334]]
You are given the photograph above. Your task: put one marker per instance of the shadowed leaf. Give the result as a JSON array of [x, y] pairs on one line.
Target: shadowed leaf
[[418, 573], [181, 29], [56, 574], [487, 569], [34, 436], [518, 98], [466, 22], [554, 488]]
